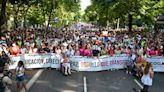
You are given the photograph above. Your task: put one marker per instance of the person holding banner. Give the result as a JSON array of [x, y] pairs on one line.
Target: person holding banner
[[66, 65], [95, 51], [129, 64]]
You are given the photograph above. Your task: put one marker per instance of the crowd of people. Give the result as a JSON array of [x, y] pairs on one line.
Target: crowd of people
[[84, 43]]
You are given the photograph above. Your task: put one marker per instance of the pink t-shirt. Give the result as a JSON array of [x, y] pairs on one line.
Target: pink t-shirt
[[152, 52], [87, 52], [82, 51]]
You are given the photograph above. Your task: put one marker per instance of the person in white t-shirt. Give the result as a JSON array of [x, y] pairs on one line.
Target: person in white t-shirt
[[64, 50], [70, 52], [133, 57], [147, 78], [23, 50], [58, 50], [66, 64], [20, 77]]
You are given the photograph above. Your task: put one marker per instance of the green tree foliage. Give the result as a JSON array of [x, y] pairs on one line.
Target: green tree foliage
[[130, 12], [37, 12]]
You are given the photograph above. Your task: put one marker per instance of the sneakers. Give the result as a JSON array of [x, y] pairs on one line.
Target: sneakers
[[130, 73], [66, 73], [126, 72], [69, 72], [135, 90]]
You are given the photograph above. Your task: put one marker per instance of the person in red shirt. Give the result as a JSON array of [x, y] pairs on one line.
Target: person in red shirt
[[15, 49], [139, 58], [158, 51], [111, 51]]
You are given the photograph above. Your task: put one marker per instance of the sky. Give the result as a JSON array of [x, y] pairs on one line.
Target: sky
[[84, 4]]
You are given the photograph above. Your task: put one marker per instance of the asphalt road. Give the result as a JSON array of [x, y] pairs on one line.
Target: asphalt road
[[104, 81], [55, 81], [29, 74]]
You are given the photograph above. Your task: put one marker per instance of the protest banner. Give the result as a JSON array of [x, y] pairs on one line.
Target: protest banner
[[98, 64], [80, 63], [36, 61], [157, 62]]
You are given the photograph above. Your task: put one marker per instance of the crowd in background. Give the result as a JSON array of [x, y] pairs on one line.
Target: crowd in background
[[84, 43], [137, 45]]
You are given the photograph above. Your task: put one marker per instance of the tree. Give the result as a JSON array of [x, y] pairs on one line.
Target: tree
[[128, 11], [35, 17], [20, 9], [3, 13], [37, 12]]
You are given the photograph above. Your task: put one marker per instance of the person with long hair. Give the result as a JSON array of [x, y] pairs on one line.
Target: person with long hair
[[20, 76], [147, 78]]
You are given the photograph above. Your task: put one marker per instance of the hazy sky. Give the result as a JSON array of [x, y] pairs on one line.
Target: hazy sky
[[84, 4]]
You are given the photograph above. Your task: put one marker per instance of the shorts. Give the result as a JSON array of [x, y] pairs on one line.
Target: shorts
[[20, 79], [129, 67], [66, 65]]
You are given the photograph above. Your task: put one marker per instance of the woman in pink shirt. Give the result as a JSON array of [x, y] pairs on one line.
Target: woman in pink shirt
[[152, 52], [87, 52], [81, 50]]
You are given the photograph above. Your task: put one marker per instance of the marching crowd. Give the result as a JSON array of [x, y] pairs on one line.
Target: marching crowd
[[83, 43]]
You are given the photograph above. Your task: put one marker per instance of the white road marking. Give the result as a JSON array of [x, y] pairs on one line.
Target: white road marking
[[138, 84], [85, 84], [34, 78]]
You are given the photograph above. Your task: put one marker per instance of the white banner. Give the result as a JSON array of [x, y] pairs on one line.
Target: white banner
[[98, 64], [36, 61], [157, 62], [80, 63]]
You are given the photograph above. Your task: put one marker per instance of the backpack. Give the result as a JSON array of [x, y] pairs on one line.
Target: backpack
[[2, 85]]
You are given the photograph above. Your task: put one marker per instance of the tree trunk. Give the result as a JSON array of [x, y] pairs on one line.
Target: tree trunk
[[25, 13], [24, 22], [16, 9], [3, 13], [49, 18], [24, 17], [118, 23], [16, 21], [130, 16]]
